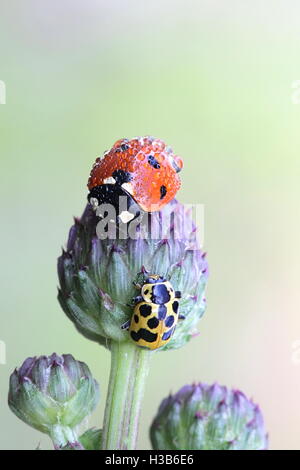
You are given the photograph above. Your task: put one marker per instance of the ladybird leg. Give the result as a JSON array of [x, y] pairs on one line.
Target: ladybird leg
[[137, 286], [178, 294], [135, 301], [126, 325], [181, 317]]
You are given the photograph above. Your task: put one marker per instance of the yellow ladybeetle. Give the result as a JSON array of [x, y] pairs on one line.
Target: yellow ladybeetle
[[156, 313]]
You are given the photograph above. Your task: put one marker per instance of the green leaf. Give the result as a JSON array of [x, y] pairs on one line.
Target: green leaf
[[91, 439]]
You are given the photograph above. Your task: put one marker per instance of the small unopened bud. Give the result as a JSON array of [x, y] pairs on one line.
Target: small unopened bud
[[204, 417], [53, 394]]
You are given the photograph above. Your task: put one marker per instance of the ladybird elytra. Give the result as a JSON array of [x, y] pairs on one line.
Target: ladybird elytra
[[137, 163]]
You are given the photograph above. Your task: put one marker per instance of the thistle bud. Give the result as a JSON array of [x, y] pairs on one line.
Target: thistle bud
[[53, 394], [204, 417], [96, 275]]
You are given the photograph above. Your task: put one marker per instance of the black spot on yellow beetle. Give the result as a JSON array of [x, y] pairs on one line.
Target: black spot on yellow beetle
[[162, 312], [168, 334], [169, 321], [144, 334], [175, 306], [145, 310], [153, 323]]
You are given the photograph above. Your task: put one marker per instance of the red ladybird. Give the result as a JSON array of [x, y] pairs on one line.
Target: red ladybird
[[142, 168]]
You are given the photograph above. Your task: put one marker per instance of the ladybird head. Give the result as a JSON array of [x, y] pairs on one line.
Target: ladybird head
[[154, 279], [125, 207]]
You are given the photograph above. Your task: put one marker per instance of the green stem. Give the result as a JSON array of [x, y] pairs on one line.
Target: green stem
[[129, 370]]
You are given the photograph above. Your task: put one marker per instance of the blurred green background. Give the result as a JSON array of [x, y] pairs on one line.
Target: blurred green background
[[214, 80]]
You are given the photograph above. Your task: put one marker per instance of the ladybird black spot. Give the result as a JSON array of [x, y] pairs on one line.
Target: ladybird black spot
[[144, 334], [162, 312], [145, 310], [153, 323], [124, 147], [175, 306], [122, 176], [163, 192], [134, 336], [153, 162], [136, 318], [147, 335], [146, 291], [168, 334], [160, 294], [169, 321]]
